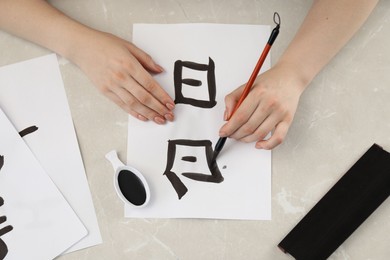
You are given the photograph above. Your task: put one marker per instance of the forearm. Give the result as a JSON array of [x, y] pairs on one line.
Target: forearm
[[326, 29], [39, 22], [115, 66]]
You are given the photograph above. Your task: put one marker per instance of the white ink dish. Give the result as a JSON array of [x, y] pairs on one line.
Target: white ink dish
[[130, 185]]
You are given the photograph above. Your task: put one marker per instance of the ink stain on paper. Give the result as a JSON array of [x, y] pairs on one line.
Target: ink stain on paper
[[132, 187], [189, 158], [28, 130], [6, 229], [224, 167], [192, 82], [3, 231]]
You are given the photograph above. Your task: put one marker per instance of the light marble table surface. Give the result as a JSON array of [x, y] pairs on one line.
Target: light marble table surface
[[344, 111]]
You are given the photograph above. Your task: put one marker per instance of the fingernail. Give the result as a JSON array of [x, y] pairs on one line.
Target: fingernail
[[225, 115], [170, 106], [159, 120], [160, 69], [142, 118], [259, 146], [169, 117]]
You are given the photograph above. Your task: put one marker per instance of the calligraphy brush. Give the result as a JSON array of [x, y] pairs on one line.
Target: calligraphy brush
[[263, 56]]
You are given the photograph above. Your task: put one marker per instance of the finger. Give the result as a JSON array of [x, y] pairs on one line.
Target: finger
[[147, 99], [239, 118], [263, 129], [231, 101], [145, 59], [253, 126], [147, 82], [113, 97], [276, 139], [132, 103]]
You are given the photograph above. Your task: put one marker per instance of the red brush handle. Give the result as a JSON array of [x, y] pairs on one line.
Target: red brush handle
[[252, 79]]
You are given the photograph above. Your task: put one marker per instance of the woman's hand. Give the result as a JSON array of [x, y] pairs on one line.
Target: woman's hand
[[120, 71], [270, 105]]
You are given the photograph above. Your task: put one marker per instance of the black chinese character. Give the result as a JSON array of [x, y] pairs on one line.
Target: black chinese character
[[177, 184], [179, 81]]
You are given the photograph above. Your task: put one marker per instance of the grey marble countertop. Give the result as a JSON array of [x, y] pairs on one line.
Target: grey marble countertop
[[344, 111]]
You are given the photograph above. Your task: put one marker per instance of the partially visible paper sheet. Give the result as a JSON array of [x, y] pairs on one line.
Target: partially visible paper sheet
[[43, 223], [197, 58], [32, 94]]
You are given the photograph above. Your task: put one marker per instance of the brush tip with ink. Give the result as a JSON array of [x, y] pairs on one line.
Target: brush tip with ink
[[218, 147]]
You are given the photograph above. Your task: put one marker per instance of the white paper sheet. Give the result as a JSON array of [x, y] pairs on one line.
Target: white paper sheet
[[32, 93], [44, 225], [245, 192]]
